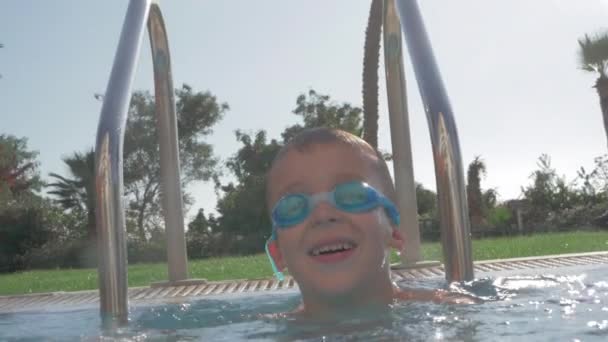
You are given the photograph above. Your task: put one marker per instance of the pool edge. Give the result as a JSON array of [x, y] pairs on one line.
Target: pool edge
[[88, 298]]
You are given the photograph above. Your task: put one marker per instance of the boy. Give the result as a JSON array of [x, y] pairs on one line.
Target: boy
[[334, 220]]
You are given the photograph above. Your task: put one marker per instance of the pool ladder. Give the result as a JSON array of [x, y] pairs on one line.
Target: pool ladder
[[399, 15]]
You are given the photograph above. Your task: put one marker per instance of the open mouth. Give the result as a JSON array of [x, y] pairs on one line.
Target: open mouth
[[332, 252]]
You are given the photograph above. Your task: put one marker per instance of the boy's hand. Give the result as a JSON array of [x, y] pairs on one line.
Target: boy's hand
[[442, 296]]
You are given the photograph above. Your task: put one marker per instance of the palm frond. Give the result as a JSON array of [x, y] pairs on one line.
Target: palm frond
[[62, 180], [593, 53], [76, 191]]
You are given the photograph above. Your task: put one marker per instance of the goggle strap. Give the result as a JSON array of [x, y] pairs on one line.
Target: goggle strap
[[391, 210], [278, 274]]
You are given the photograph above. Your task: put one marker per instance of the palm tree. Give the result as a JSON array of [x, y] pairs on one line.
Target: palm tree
[[370, 73], [476, 170], [77, 192], [593, 55]]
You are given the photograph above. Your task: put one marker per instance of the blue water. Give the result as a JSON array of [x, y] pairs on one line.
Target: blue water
[[565, 304]]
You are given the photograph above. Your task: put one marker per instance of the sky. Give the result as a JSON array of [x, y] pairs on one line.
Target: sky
[[510, 69]]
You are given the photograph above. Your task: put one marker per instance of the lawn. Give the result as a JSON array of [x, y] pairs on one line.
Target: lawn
[[256, 266]]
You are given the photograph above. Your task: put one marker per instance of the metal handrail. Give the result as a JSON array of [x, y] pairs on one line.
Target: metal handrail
[[451, 192], [110, 218], [169, 149], [400, 134]]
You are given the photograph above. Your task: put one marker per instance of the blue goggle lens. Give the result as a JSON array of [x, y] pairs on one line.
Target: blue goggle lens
[[291, 209], [292, 206], [351, 197]]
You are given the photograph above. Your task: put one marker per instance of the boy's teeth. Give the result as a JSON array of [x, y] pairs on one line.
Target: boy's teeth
[[331, 248]]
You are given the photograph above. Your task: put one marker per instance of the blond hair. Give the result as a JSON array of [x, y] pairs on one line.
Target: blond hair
[[311, 137]]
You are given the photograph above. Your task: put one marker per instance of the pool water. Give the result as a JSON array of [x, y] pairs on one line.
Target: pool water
[[565, 304]]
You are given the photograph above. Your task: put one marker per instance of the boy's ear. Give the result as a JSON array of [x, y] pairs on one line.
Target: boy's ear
[[277, 256], [396, 240]]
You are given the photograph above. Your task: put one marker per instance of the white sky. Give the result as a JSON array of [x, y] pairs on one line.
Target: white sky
[[510, 68]]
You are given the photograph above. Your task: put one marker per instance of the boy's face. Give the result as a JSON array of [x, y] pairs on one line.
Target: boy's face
[[320, 169]]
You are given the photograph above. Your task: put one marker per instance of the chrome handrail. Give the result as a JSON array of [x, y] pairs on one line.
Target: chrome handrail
[[400, 134], [110, 220], [169, 149], [451, 191]]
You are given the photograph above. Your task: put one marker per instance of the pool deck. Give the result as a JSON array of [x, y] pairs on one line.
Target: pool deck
[[141, 295]]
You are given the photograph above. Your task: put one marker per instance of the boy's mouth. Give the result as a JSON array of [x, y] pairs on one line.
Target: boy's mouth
[[332, 252]]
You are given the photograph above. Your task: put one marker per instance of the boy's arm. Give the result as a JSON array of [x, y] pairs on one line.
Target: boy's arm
[[436, 296]]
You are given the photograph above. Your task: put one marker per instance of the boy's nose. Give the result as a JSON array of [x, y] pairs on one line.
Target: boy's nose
[[324, 213]]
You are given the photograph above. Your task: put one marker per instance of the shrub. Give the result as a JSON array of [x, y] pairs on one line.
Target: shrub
[[63, 254], [146, 252]]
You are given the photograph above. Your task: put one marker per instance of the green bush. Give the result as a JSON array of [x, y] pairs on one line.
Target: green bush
[[429, 229], [500, 220], [580, 215], [202, 246], [146, 252], [22, 227], [82, 254], [63, 254]]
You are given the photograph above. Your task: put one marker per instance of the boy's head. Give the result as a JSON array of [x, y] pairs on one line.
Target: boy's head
[[332, 251]]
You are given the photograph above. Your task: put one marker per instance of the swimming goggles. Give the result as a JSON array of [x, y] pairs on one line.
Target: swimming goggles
[[351, 197]]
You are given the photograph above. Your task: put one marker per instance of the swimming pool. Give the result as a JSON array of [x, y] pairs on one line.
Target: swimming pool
[[565, 303]]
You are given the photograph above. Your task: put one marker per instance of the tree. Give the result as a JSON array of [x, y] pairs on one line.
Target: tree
[[317, 110], [200, 225], [242, 213], [370, 73], [476, 170], [427, 201], [76, 192], [593, 54], [22, 219], [242, 210], [548, 194], [595, 183], [253, 159], [594, 191], [197, 112], [22, 228], [541, 192], [201, 235], [18, 168], [489, 200]]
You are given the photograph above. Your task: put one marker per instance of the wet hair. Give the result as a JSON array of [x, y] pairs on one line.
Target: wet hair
[[310, 138]]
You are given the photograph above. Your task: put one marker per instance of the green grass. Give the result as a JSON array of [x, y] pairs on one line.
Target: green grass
[[534, 245], [252, 267]]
